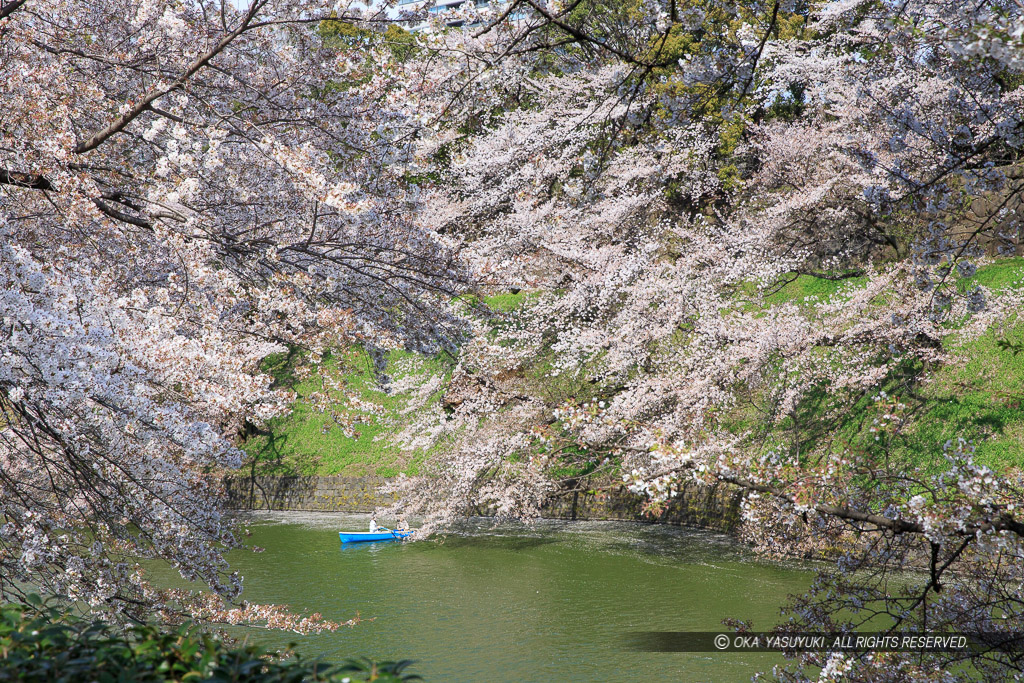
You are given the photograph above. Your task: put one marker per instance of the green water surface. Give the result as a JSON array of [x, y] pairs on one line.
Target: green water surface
[[554, 601]]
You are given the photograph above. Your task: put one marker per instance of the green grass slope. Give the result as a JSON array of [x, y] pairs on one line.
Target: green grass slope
[[977, 395], [309, 441]]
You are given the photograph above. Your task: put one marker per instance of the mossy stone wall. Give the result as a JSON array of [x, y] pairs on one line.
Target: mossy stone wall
[[709, 507], [312, 493]]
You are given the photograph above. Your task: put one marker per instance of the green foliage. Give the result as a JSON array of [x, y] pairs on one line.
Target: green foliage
[[1009, 81], [365, 669], [789, 108], [344, 36], [341, 35], [402, 43], [726, 105], [42, 645]]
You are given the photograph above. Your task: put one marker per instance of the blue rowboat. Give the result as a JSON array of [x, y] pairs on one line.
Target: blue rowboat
[[359, 536]]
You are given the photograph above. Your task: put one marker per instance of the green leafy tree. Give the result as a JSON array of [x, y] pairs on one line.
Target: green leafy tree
[[39, 644]]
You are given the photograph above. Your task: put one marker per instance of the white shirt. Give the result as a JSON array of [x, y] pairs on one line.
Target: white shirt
[[373, 526]]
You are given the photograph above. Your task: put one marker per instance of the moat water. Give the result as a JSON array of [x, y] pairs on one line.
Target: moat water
[[554, 601]]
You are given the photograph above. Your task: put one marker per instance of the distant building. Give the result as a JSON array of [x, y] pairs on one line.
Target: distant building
[[450, 9]]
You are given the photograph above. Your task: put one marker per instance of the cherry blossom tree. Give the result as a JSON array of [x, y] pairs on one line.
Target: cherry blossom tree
[[184, 189], [654, 193]]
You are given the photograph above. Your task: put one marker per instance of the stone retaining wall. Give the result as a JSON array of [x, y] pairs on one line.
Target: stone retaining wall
[[709, 507], [996, 219], [323, 494]]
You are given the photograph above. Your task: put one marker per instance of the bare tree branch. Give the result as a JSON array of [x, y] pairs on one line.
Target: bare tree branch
[[6, 9], [100, 136], [27, 180]]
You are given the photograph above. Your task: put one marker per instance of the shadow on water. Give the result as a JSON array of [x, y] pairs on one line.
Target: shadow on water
[[371, 547], [512, 543]]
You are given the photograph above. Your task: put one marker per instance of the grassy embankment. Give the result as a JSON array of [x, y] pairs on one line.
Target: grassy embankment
[[307, 441], [978, 396]]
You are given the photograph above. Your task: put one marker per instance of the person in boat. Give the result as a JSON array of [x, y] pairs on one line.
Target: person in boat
[[373, 524], [402, 524]]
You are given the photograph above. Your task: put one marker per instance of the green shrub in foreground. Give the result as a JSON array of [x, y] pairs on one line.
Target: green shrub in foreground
[[41, 644]]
